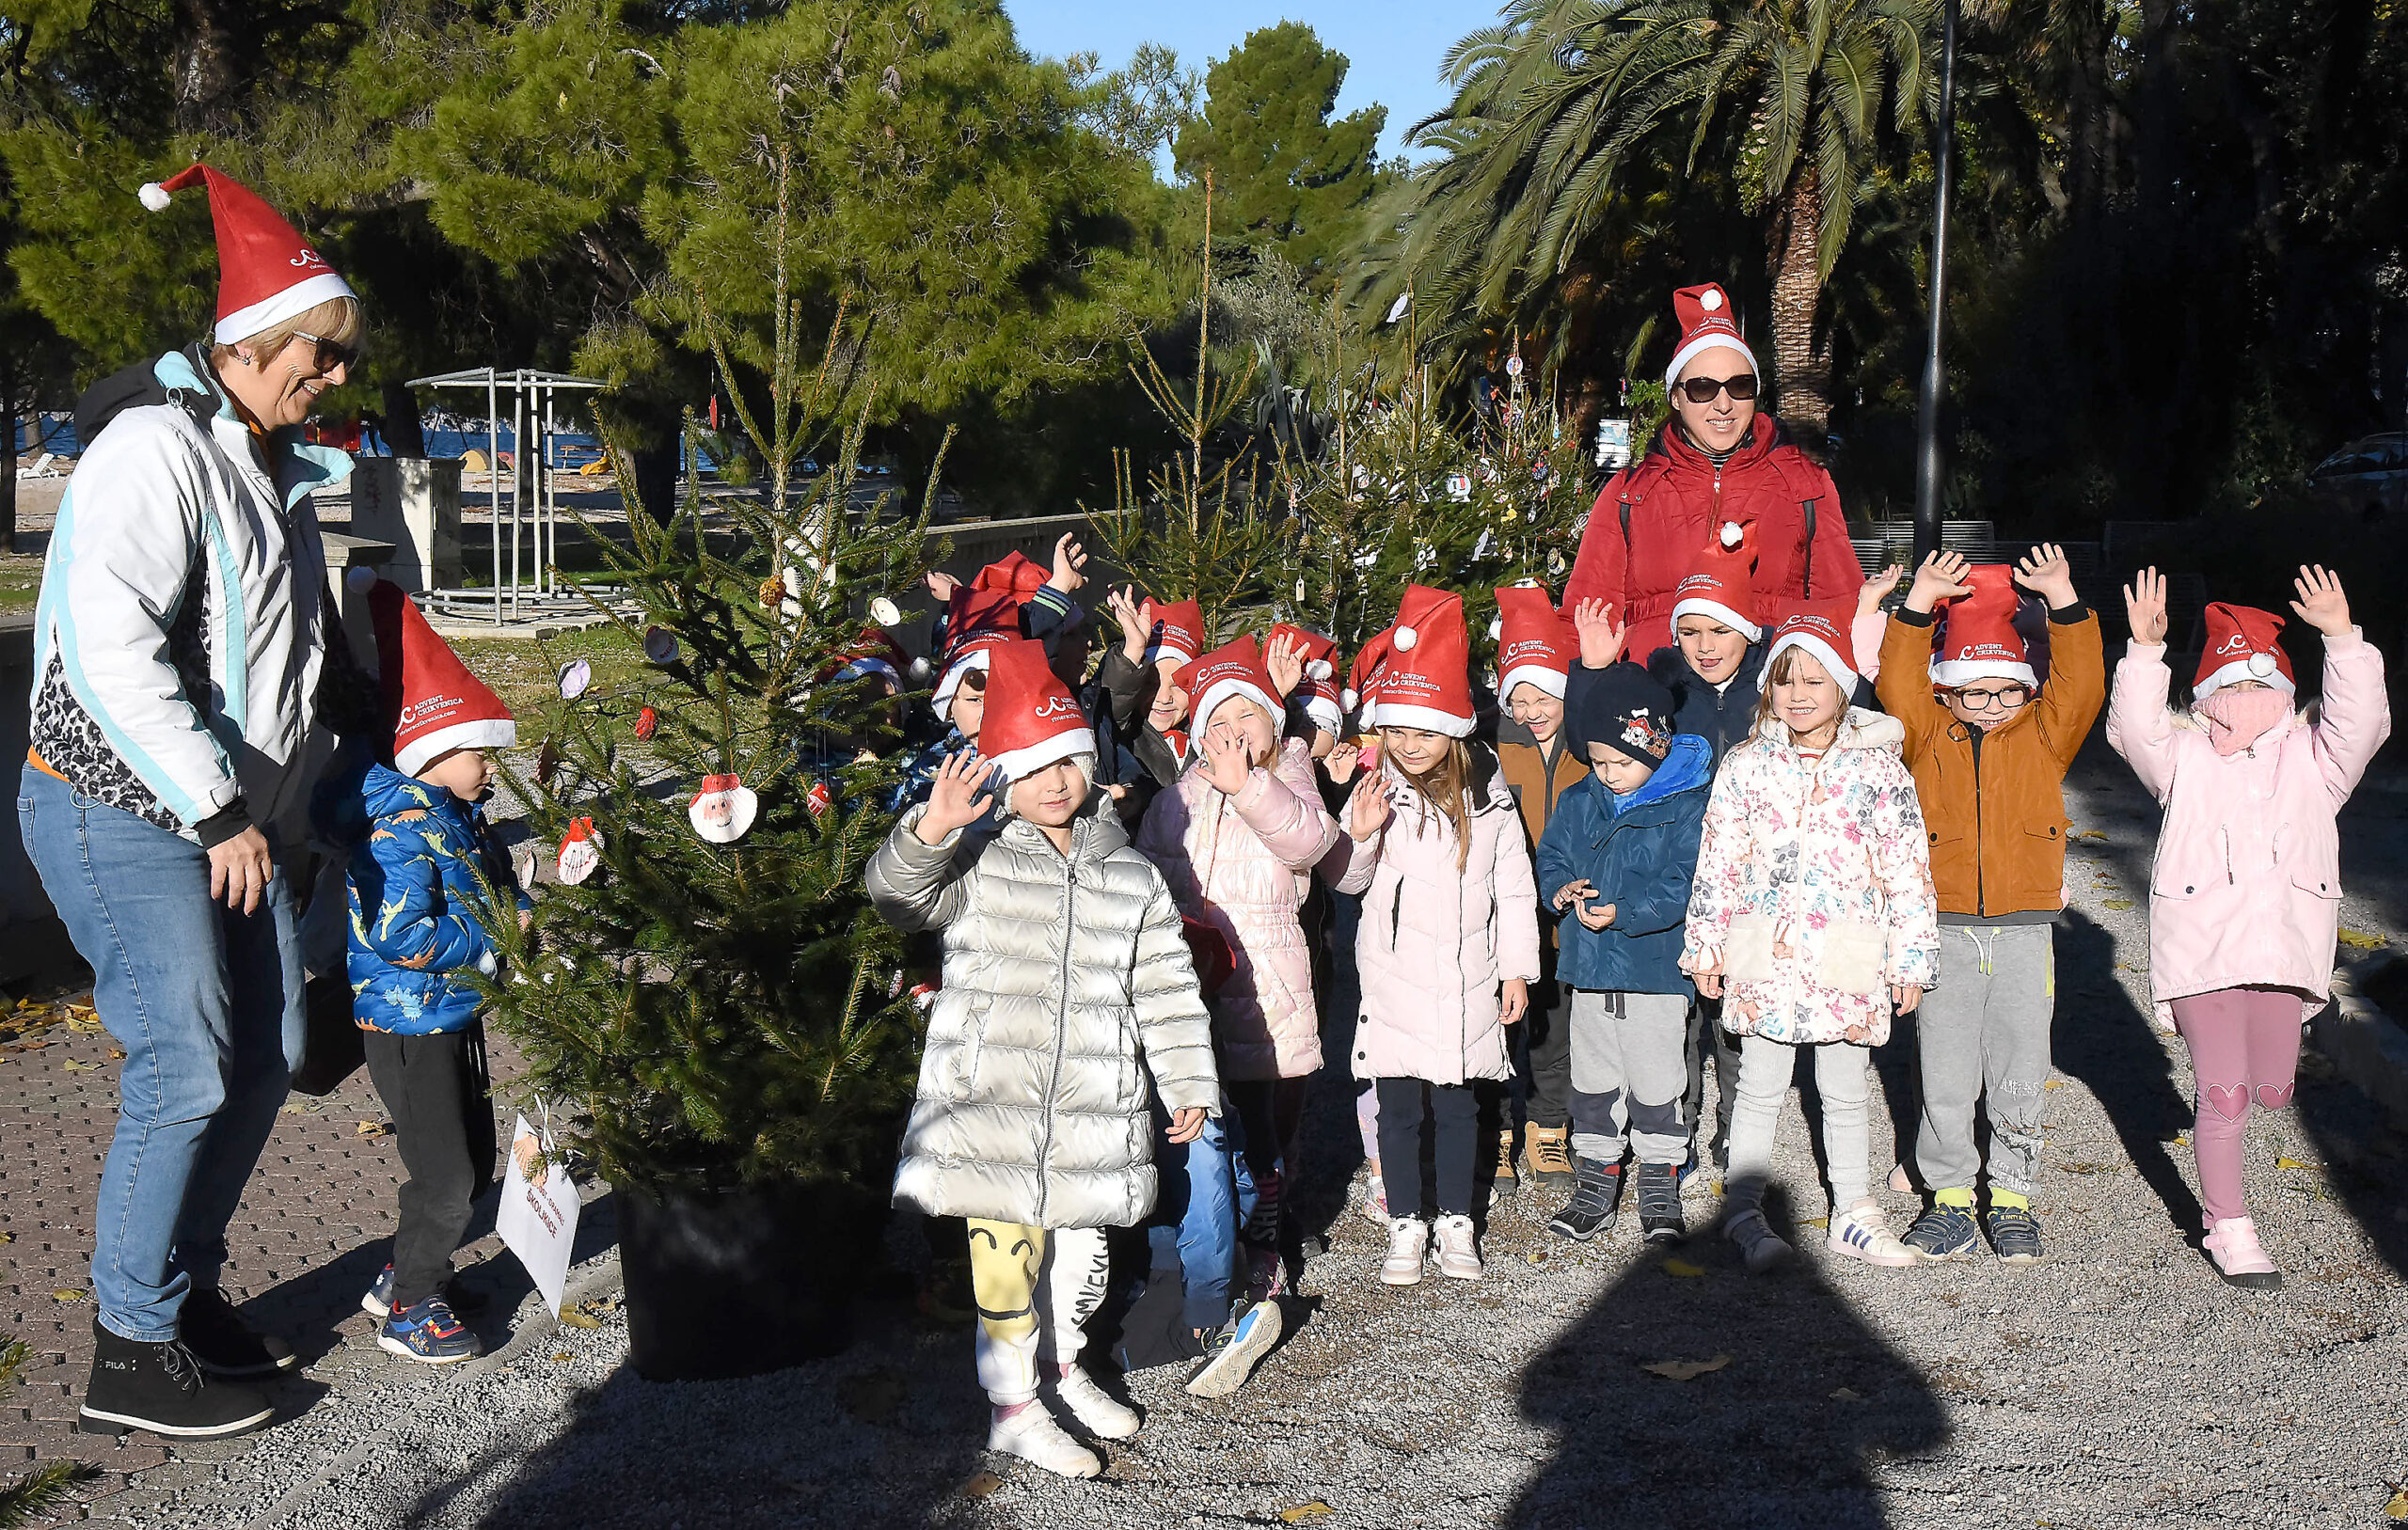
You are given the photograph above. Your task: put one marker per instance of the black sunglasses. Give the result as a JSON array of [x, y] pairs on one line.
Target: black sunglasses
[[1702, 389], [331, 355]]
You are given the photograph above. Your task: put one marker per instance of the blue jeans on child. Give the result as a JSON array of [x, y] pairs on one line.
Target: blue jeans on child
[[207, 1003], [1205, 1195]]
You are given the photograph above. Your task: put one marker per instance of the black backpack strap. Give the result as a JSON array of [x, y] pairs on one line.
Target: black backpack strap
[[1806, 508]]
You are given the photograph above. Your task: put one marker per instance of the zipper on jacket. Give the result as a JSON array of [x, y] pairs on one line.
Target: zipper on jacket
[[1061, 1023], [1981, 892]]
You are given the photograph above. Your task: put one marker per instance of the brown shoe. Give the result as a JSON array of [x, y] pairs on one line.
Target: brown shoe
[[1549, 1157], [1506, 1184]]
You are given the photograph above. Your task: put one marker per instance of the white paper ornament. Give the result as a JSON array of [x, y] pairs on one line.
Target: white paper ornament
[[885, 612], [661, 645], [1486, 544], [576, 675], [1458, 487], [723, 809], [580, 852], [1513, 366]]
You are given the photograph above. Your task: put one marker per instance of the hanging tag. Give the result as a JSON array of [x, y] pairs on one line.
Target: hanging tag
[[574, 676], [723, 809], [885, 612], [661, 645], [537, 1218]]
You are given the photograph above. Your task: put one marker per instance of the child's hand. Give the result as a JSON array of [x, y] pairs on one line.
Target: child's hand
[[1595, 919], [1134, 628], [526, 919], [1368, 810], [942, 586], [2321, 603], [1517, 1001], [1227, 761], [1186, 1123], [1341, 763], [955, 800], [1941, 578], [1876, 589], [1571, 893], [2144, 607], [1906, 996], [1070, 560], [1600, 640], [2047, 573], [1708, 979], [1285, 659]]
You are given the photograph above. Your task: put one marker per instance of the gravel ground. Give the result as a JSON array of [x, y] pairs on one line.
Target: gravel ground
[[2119, 1385]]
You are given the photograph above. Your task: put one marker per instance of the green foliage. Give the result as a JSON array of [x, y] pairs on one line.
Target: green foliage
[[45, 1487], [1140, 109], [1290, 178]]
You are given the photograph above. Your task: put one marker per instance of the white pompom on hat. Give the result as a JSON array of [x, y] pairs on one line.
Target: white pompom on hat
[[2242, 643], [1706, 321]]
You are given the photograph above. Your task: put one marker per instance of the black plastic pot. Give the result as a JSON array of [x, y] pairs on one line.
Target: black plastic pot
[[739, 1281]]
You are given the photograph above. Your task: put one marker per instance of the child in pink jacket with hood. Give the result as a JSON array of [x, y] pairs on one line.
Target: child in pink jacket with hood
[[1448, 940], [1237, 836], [2245, 898]]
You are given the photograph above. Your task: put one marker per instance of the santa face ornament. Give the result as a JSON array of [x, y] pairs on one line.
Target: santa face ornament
[[723, 809], [580, 854]]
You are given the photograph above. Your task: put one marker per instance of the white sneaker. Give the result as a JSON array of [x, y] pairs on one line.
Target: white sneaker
[[1033, 1436], [2239, 1259], [1098, 1411], [1408, 1249], [1375, 1201], [1458, 1259], [1861, 1232]]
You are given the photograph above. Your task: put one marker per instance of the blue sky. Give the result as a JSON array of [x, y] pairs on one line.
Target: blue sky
[[1392, 46]]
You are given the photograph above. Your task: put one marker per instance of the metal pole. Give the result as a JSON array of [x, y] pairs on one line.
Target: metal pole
[[493, 479], [549, 541], [1927, 464]]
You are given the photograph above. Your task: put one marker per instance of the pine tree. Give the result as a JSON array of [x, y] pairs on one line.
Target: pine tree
[[43, 1489]]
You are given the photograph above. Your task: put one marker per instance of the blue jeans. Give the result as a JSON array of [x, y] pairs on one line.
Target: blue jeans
[[207, 1003], [1206, 1194]]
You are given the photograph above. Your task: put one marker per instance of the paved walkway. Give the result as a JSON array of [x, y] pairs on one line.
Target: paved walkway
[[2119, 1385]]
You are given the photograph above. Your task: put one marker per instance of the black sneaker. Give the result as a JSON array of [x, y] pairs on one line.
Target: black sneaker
[[1659, 1203], [1595, 1196], [2015, 1233], [159, 1387], [224, 1344]]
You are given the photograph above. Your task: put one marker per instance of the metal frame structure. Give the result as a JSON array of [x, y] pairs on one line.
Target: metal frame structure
[[532, 395]]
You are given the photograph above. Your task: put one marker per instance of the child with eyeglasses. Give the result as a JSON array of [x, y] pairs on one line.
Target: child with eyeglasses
[[1989, 747]]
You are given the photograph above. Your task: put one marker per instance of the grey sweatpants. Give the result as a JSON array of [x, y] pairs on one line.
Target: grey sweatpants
[[1986, 1029], [1628, 1065], [1840, 1077]]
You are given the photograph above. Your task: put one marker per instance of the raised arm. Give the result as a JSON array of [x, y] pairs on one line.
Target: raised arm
[[2355, 717], [2139, 727], [914, 885]]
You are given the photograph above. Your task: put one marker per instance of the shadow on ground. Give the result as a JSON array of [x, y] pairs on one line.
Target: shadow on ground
[[1789, 1433]]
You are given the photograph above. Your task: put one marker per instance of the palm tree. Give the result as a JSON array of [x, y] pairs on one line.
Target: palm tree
[[1569, 115]]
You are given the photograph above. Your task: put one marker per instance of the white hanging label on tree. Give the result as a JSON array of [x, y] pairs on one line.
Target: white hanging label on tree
[[723, 809], [537, 1218], [574, 676], [661, 645]]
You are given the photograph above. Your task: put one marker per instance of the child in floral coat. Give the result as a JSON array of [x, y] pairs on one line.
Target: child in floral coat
[[1813, 907]]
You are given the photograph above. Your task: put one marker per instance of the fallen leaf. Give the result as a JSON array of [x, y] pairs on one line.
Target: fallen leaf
[[1816, 1221], [2362, 939], [73, 1066], [2088, 834], [1536, 1256], [1847, 1393], [375, 1128], [981, 1484], [2054, 1084], [571, 1317], [8, 1237], [2398, 1507], [1312, 1509], [2182, 1139], [68, 1293], [2119, 905], [1685, 1370], [2291, 1164], [1682, 1268], [563, 1356]]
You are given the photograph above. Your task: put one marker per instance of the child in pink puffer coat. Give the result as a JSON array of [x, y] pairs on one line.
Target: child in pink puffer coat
[[2245, 898], [1237, 836]]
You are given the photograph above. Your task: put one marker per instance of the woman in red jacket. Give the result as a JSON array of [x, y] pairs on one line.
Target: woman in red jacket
[[1717, 460]]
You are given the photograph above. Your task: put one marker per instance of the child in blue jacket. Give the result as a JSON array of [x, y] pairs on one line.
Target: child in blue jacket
[[1618, 855], [421, 871]]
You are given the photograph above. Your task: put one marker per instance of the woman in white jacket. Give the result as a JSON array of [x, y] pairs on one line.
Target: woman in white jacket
[[180, 642]]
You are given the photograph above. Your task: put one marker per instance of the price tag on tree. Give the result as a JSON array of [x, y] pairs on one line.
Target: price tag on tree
[[538, 1215]]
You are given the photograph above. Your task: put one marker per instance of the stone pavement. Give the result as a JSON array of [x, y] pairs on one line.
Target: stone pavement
[[314, 1228]]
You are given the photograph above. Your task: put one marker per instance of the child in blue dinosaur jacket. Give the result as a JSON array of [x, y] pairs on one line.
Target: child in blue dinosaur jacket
[[420, 877], [1618, 855]]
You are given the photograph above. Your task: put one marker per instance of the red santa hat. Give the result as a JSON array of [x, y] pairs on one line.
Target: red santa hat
[[1032, 717], [267, 271], [976, 620], [1720, 585], [1362, 675], [1535, 646], [1013, 573], [1979, 641], [1317, 693], [1234, 669], [874, 652], [1426, 681], [2242, 646], [1178, 631], [1822, 629], [1706, 321], [431, 702]]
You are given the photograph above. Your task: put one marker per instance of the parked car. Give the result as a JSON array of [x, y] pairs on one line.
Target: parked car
[[2368, 475]]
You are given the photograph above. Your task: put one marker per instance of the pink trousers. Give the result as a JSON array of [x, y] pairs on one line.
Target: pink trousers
[[2244, 1046]]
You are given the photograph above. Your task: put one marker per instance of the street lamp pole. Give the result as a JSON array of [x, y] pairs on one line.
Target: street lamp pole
[[1928, 396]]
